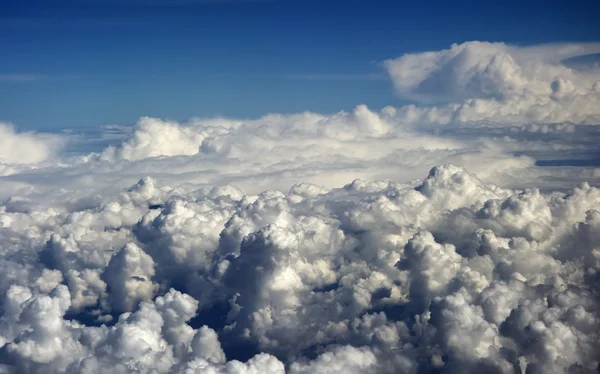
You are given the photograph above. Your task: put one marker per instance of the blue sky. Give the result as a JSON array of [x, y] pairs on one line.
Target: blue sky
[[82, 63]]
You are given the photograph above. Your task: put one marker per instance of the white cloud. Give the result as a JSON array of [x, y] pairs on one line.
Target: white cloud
[[330, 254], [499, 83], [277, 151], [154, 138], [128, 278], [345, 359], [481, 70], [449, 273], [26, 148]]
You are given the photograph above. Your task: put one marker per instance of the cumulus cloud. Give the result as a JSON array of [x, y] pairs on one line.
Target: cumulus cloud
[[26, 148], [446, 274], [311, 243], [278, 151], [499, 83], [153, 137]]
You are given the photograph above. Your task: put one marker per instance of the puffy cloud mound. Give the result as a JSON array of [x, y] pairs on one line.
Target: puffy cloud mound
[[153, 137], [26, 148], [278, 151], [448, 274], [496, 82]]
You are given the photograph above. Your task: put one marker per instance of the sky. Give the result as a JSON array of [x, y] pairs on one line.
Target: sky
[[89, 63], [301, 187]]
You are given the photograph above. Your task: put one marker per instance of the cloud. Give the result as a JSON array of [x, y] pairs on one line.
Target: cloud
[[278, 151], [448, 274], [26, 148], [481, 70], [312, 243], [496, 82], [153, 138]]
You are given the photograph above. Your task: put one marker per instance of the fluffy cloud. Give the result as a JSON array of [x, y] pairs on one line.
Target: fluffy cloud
[[307, 243], [447, 274], [26, 148], [278, 151], [499, 83], [153, 137]]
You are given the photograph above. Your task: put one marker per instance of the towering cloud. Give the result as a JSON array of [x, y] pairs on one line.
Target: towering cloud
[[448, 274], [496, 82]]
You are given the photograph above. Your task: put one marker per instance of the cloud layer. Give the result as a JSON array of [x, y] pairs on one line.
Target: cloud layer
[[456, 237], [447, 274]]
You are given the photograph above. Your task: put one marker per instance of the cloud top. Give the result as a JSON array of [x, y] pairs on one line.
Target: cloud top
[[27, 148], [482, 70]]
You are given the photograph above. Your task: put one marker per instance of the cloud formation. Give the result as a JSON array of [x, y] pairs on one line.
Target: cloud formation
[[447, 274], [496, 82], [26, 148], [312, 243]]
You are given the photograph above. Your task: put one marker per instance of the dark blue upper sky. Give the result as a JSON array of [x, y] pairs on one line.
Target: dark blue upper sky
[[70, 63]]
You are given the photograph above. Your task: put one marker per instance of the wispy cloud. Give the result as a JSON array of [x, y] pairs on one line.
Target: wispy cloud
[[26, 77], [338, 77], [16, 78]]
